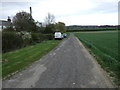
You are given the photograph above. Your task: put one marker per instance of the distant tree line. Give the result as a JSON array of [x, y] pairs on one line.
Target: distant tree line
[[91, 27]]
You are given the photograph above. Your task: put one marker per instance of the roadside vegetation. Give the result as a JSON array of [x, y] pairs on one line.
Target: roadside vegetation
[[24, 31], [79, 28], [26, 40], [104, 46]]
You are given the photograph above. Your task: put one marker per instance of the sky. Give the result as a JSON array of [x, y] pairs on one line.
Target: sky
[[71, 12]]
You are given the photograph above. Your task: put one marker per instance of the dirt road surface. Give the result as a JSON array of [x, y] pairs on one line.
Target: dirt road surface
[[69, 65]]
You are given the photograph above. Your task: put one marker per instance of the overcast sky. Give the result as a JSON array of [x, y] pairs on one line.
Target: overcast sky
[[71, 12]]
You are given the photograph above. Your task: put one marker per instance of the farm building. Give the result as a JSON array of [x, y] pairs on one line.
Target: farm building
[[4, 23]]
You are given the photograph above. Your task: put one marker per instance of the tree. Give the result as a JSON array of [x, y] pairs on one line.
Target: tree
[[60, 26], [50, 19], [23, 21], [49, 28]]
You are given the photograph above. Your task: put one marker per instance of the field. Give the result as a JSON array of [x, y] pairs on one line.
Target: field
[[19, 59], [105, 47]]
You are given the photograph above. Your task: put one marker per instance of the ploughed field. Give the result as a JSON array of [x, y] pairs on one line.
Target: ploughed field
[[104, 45]]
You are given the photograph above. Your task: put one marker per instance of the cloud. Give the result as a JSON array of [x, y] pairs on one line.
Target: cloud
[[69, 11], [11, 8], [60, 8], [93, 19]]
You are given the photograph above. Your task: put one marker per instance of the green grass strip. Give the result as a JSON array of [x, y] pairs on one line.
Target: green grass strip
[[21, 58]]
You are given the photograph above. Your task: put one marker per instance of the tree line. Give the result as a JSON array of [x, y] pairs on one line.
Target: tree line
[[24, 31], [23, 21]]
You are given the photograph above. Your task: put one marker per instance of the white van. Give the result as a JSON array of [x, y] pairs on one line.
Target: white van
[[58, 35]]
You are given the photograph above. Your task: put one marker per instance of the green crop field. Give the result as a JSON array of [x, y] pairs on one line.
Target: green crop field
[[105, 46]]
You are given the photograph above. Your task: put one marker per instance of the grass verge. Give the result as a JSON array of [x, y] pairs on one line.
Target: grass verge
[[105, 48], [19, 59]]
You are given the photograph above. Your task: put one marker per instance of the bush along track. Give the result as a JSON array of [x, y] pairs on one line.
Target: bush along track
[[109, 63], [16, 40]]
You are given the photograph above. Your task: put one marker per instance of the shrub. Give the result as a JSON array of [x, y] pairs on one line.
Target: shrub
[[35, 37], [49, 36], [43, 37], [11, 41], [38, 37], [16, 40], [49, 29], [26, 37]]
